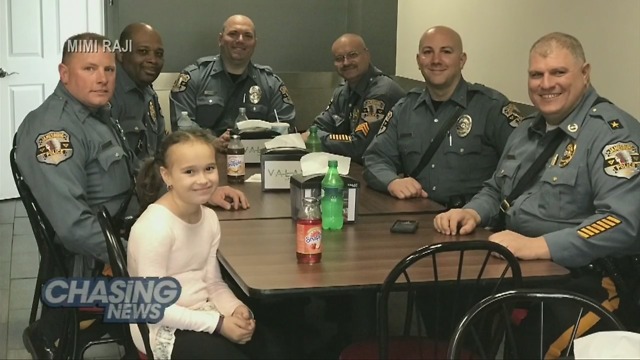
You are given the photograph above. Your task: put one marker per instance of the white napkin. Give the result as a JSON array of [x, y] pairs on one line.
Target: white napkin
[[288, 141], [254, 178], [252, 124], [608, 345], [318, 163]]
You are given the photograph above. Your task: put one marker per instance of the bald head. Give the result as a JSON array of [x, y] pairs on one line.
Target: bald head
[[238, 20], [442, 31], [353, 40], [132, 30]]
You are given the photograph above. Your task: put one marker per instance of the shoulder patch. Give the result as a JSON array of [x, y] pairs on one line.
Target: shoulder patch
[[512, 113], [363, 128], [372, 110], [621, 159], [329, 106], [385, 123], [180, 84], [53, 147], [286, 98], [598, 227], [615, 124]]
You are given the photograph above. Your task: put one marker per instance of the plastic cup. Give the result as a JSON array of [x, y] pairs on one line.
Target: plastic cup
[[280, 127]]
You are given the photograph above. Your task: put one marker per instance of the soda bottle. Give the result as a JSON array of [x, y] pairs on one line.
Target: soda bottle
[[333, 198], [235, 160], [185, 122], [313, 143], [242, 116], [309, 232]]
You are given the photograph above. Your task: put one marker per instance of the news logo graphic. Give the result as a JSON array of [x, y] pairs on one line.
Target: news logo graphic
[[125, 300]]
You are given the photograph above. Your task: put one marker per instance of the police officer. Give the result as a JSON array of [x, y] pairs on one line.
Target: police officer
[[472, 145], [583, 205], [74, 158], [135, 103], [357, 106], [212, 89]]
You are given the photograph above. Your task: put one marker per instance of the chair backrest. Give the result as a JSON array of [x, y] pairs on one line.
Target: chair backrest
[[494, 317], [118, 263], [42, 229], [454, 284], [115, 248]]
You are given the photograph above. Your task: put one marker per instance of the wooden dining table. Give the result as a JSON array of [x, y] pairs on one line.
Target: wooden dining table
[[260, 255]]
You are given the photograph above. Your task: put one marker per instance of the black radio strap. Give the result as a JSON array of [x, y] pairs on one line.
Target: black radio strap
[[530, 176], [437, 140]]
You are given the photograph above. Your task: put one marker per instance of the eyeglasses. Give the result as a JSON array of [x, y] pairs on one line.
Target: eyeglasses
[[349, 56]]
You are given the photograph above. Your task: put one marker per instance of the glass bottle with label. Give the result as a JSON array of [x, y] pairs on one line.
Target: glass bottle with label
[[242, 116], [309, 232], [235, 161]]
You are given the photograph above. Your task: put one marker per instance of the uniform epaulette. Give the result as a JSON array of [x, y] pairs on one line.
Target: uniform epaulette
[[55, 108], [402, 100], [416, 90], [492, 93], [531, 116], [190, 68], [263, 67], [611, 116], [205, 60], [604, 111]]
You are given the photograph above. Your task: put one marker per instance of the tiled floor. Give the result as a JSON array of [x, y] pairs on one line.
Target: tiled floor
[[18, 269]]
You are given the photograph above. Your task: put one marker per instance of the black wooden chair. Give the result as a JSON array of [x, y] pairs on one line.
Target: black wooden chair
[[493, 317], [55, 261], [448, 300], [118, 262]]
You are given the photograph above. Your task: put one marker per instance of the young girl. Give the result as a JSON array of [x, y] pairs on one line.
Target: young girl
[[177, 236]]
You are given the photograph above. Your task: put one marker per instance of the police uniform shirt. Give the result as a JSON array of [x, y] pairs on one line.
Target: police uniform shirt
[[353, 117], [74, 161], [467, 156], [210, 96], [139, 114], [587, 199]]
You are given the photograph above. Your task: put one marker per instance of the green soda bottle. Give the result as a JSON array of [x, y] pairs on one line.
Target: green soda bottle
[[313, 143], [332, 202]]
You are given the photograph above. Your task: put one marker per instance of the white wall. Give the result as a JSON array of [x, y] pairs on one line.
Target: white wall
[[497, 35]]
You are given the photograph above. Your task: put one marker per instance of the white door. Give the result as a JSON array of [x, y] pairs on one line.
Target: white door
[[31, 37]]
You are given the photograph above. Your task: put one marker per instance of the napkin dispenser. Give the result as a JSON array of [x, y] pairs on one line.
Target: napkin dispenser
[[253, 142], [311, 186], [277, 165]]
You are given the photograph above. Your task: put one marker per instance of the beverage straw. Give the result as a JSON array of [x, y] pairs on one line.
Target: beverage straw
[[276, 113]]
